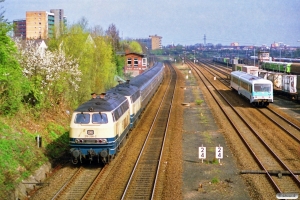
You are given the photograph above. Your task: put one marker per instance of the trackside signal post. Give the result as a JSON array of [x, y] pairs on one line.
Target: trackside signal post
[[202, 153], [219, 152]]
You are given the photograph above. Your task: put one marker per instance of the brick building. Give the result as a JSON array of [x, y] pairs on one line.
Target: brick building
[[135, 63]]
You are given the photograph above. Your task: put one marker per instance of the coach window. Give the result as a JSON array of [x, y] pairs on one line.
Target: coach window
[[136, 63]]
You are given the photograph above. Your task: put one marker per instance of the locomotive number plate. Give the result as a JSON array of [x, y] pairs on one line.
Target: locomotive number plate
[[90, 132]]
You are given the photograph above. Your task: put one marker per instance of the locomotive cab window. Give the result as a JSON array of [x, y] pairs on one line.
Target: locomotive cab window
[[99, 118], [82, 118], [262, 88]]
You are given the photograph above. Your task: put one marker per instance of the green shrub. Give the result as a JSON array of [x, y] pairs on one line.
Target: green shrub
[[199, 101], [215, 180]]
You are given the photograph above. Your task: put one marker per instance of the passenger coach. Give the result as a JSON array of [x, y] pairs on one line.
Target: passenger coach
[[258, 90]]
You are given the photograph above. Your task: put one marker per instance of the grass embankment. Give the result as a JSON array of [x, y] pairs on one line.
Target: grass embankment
[[19, 152]]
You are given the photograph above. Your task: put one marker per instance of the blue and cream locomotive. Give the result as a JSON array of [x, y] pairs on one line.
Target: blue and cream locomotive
[[99, 126]]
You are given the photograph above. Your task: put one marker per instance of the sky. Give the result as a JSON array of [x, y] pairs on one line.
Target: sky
[[248, 22]]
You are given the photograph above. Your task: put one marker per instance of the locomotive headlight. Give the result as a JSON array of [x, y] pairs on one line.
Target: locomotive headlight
[[102, 141], [78, 141]]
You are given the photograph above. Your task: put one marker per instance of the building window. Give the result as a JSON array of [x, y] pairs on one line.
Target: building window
[[136, 63], [144, 62], [129, 61]]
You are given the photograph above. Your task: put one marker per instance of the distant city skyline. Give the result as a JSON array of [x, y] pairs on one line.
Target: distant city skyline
[[253, 22]]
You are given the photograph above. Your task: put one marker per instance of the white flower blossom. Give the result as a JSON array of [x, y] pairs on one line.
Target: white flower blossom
[[50, 66]]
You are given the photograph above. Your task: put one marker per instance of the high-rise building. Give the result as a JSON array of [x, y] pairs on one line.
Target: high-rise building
[[156, 42], [60, 20], [20, 28], [40, 24]]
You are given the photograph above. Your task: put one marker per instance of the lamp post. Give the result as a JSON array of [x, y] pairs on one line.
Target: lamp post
[[254, 54], [194, 56], [280, 50]]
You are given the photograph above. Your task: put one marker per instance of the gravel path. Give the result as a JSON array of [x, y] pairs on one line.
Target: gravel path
[[210, 179]]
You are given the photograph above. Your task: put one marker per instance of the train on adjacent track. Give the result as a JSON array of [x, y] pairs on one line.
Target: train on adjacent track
[[292, 60], [257, 90], [276, 66], [99, 126], [285, 76], [284, 67]]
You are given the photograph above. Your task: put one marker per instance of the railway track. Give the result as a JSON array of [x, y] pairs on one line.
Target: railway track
[[286, 125], [79, 184], [142, 181], [263, 151], [88, 181], [222, 77]]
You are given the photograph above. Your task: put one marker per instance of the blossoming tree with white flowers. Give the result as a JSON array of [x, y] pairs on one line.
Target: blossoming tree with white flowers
[[51, 73]]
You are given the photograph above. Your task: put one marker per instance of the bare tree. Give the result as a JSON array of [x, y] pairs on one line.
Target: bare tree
[[83, 23], [2, 20], [113, 36], [96, 31]]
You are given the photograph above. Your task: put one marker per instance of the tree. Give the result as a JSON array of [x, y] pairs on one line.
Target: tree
[[12, 84], [50, 74], [135, 47], [2, 19], [105, 66], [96, 31], [113, 37], [83, 23]]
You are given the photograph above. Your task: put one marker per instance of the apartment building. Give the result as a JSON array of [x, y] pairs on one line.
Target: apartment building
[[20, 28], [60, 20], [40, 24], [155, 42]]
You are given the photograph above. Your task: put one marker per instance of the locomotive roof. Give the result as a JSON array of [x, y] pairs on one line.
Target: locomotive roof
[[108, 103], [143, 78], [125, 89]]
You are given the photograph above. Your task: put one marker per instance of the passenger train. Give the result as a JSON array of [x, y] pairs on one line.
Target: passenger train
[[99, 126], [256, 89]]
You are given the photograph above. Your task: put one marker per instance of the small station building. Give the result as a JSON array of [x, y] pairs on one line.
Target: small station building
[[135, 64]]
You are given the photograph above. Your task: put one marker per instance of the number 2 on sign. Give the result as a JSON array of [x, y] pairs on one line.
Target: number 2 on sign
[[219, 152]]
